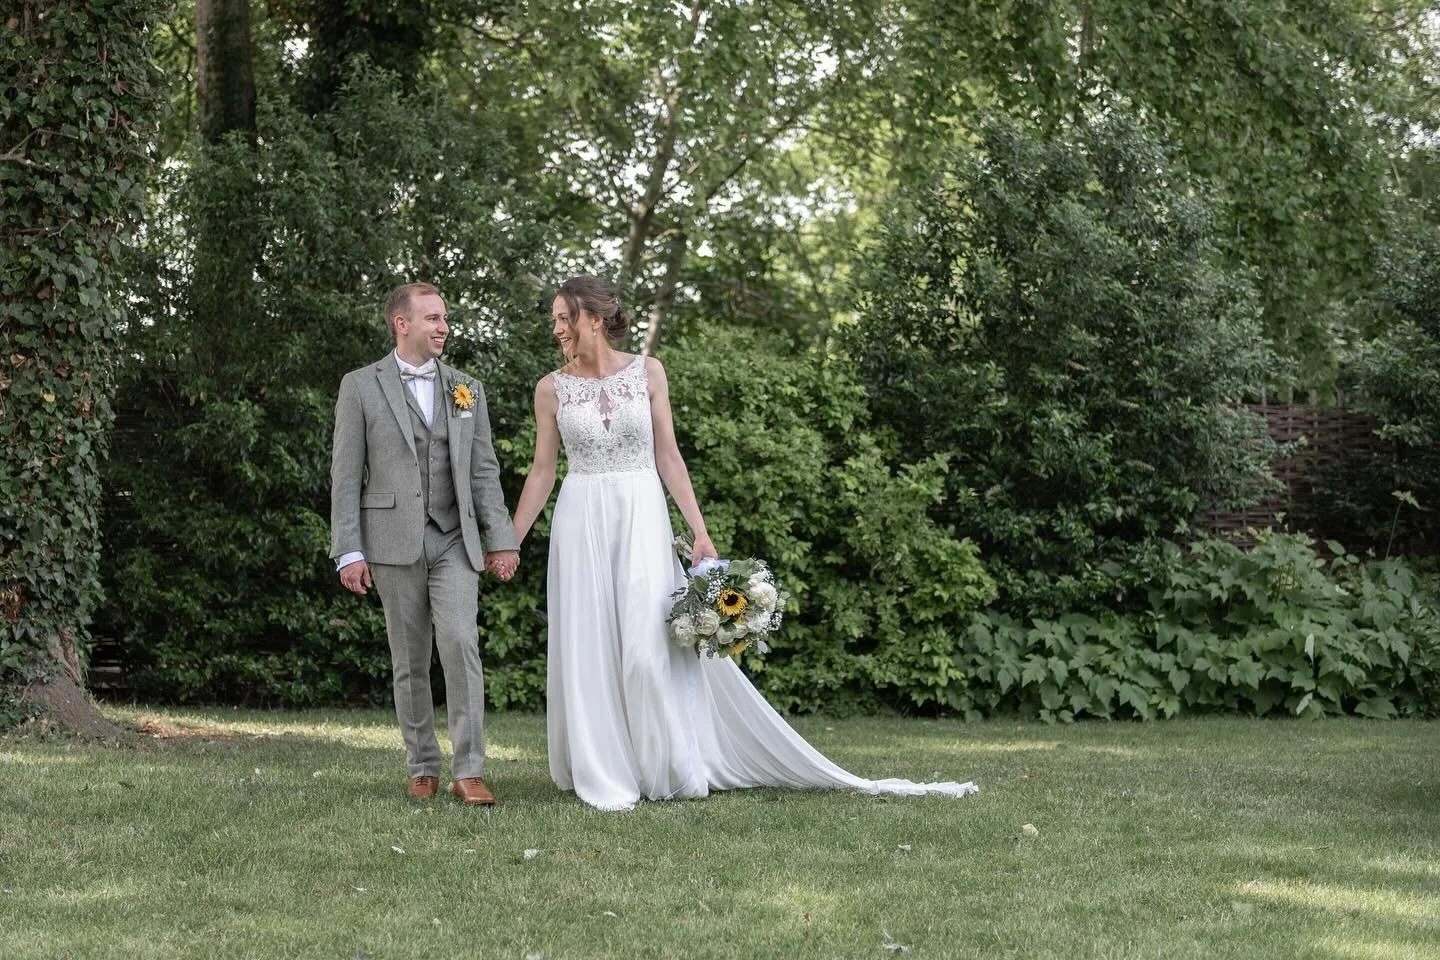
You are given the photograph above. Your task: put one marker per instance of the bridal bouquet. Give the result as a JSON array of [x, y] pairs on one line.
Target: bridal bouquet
[[726, 607]]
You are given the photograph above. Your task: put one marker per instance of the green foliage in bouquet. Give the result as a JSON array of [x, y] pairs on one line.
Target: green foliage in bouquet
[[1280, 629]]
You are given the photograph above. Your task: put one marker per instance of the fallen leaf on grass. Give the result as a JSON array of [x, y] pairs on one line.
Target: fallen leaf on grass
[[610, 913], [903, 846], [531, 854], [1029, 830], [398, 849]]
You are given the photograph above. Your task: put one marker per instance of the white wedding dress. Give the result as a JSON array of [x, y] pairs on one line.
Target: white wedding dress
[[631, 714]]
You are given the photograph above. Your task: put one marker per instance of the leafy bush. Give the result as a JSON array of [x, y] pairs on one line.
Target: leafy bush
[[1395, 377], [1048, 313], [218, 583], [786, 470], [1277, 629]]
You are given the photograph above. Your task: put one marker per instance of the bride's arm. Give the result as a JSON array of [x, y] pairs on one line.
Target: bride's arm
[[670, 464], [542, 469]]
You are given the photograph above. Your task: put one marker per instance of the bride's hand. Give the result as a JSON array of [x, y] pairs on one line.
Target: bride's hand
[[703, 548]]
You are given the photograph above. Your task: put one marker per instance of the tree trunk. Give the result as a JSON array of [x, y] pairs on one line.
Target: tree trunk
[[224, 76], [60, 316], [225, 252], [664, 301], [642, 215], [61, 698]]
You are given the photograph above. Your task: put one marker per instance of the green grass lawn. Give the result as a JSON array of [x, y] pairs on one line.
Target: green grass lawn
[[288, 835]]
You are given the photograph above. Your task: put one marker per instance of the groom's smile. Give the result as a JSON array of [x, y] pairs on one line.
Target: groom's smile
[[422, 330]]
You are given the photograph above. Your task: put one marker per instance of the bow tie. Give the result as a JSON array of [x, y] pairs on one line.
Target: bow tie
[[426, 371]]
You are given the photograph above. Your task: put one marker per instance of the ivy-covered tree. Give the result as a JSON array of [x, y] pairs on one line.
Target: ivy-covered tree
[[76, 118]]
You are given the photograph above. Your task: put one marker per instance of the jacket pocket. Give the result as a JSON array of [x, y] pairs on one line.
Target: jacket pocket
[[377, 501]]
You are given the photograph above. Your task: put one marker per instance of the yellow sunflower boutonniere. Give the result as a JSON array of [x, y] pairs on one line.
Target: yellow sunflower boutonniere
[[462, 394]]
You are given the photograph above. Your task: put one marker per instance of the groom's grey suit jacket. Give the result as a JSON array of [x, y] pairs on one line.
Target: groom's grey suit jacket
[[377, 491]]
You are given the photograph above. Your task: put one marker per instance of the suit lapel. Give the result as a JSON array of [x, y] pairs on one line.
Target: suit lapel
[[387, 371], [461, 428]]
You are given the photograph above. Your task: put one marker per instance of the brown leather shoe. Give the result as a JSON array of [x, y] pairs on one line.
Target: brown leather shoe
[[473, 792], [423, 788]]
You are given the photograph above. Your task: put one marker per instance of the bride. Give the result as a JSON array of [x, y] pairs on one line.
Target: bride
[[631, 714]]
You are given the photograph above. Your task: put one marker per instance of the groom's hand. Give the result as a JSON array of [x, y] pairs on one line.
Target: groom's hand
[[355, 577], [502, 563]]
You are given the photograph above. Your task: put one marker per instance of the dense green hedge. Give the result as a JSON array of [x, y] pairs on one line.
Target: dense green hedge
[[1040, 366], [1050, 310], [216, 529], [1389, 496]]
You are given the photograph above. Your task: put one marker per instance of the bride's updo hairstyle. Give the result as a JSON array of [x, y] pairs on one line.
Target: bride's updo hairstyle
[[599, 298]]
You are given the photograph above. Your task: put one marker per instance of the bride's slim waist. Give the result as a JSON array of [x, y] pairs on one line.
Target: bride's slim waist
[[632, 473]]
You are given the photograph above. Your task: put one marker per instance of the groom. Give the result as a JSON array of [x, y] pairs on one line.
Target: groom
[[413, 482]]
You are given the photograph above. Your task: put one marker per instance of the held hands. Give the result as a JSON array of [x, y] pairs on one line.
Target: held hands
[[502, 564], [355, 577]]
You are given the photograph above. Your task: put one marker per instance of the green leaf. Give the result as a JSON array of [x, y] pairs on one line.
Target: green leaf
[[1381, 708]]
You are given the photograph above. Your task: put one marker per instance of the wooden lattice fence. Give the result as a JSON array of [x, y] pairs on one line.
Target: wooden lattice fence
[[1329, 439]]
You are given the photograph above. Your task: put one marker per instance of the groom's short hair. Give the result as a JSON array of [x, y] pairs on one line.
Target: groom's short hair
[[399, 301]]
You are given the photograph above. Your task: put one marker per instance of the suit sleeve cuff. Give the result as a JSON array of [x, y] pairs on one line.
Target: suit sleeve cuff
[[346, 559]]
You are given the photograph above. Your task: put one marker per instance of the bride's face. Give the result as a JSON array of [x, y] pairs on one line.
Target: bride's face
[[576, 335]]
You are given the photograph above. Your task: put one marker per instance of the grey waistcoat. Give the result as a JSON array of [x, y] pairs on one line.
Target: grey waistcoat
[[432, 449]]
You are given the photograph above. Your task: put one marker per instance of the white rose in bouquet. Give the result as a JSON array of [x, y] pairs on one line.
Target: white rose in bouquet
[[682, 631], [758, 620], [706, 623], [763, 595]]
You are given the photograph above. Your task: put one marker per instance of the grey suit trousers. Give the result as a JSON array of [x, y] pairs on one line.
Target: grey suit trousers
[[436, 596]]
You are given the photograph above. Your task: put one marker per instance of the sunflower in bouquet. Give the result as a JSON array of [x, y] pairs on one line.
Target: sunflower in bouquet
[[726, 607]]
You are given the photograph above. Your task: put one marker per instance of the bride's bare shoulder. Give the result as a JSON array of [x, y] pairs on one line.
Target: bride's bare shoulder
[[545, 388]]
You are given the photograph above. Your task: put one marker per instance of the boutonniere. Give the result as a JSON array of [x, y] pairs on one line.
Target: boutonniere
[[462, 393]]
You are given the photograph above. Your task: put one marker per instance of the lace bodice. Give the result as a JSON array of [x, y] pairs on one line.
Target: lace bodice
[[605, 423]]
